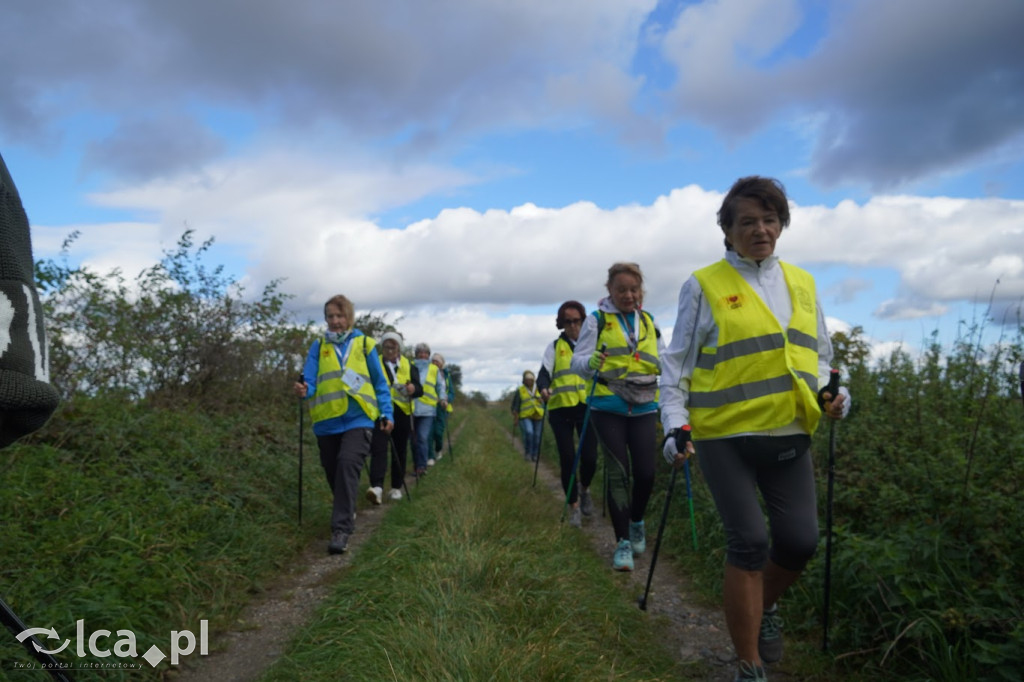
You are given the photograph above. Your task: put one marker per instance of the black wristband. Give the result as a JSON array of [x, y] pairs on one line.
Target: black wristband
[[682, 437]]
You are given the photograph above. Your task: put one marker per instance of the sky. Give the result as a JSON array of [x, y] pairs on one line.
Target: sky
[[464, 166]]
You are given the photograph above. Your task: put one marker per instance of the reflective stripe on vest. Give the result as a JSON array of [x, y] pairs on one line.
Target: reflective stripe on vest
[[332, 393], [402, 375], [530, 405], [621, 361], [429, 396], [567, 389], [759, 377]]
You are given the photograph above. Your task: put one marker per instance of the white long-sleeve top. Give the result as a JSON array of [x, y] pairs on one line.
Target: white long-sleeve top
[[695, 328], [586, 344]]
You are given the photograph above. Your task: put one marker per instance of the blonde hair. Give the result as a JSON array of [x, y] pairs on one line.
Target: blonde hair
[[623, 268], [529, 374], [345, 306]]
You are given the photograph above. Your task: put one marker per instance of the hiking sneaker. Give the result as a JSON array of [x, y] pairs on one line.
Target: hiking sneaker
[[395, 494], [575, 519], [339, 542], [375, 495], [769, 641], [637, 537], [748, 672], [586, 503], [431, 462], [623, 559]]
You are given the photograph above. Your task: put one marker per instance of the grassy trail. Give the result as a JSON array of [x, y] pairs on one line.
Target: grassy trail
[[477, 580]]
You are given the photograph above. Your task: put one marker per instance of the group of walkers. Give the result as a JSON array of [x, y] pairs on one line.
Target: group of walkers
[[743, 386], [367, 400]]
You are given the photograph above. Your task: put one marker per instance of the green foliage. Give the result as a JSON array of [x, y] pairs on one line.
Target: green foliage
[[927, 566], [375, 325], [146, 519], [179, 332]]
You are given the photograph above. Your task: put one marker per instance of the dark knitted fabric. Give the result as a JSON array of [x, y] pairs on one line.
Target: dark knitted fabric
[[26, 398]]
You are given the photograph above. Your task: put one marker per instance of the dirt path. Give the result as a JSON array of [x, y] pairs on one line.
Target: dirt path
[[697, 633]]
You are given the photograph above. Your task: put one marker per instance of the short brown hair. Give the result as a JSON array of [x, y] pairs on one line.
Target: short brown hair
[[345, 306], [768, 191]]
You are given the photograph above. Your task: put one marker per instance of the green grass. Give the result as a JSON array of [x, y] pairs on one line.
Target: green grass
[[146, 520], [477, 580]]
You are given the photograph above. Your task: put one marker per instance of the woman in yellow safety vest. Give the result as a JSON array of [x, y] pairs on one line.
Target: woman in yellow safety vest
[[566, 396], [747, 370], [528, 413], [404, 379], [348, 397], [620, 348]]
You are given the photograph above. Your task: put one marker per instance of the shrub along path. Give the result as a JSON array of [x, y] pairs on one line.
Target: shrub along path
[[692, 633]]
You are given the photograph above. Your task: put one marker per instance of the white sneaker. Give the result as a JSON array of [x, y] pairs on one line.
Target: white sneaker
[[431, 462], [395, 494], [375, 495]]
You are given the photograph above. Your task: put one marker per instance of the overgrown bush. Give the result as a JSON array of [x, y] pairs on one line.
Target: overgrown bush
[[180, 332], [927, 566]]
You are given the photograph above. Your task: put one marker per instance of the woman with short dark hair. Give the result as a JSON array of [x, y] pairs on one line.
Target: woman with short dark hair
[[566, 396], [746, 370]]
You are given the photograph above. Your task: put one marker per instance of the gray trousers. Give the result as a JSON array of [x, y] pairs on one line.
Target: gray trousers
[[780, 467], [342, 456]]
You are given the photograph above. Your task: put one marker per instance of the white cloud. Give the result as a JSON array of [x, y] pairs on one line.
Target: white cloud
[[463, 278]]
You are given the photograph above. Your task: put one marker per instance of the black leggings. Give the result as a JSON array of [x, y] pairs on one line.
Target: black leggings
[[565, 421], [781, 468], [629, 443], [379, 459]]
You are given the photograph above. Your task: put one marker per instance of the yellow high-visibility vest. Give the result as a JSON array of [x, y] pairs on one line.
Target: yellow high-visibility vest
[[567, 389], [530, 404], [429, 396], [403, 373], [760, 376], [332, 393], [621, 361]]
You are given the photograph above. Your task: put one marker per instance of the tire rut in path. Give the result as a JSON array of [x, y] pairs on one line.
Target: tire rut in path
[[268, 623]]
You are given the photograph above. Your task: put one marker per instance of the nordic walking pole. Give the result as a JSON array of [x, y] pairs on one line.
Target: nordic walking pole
[[579, 448], [395, 464], [689, 498], [302, 380], [17, 627], [536, 465], [833, 389], [448, 432], [657, 545]]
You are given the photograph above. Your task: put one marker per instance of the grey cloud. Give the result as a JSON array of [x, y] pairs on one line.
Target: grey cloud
[[145, 148], [908, 309], [1008, 313], [848, 289], [901, 90], [396, 68]]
